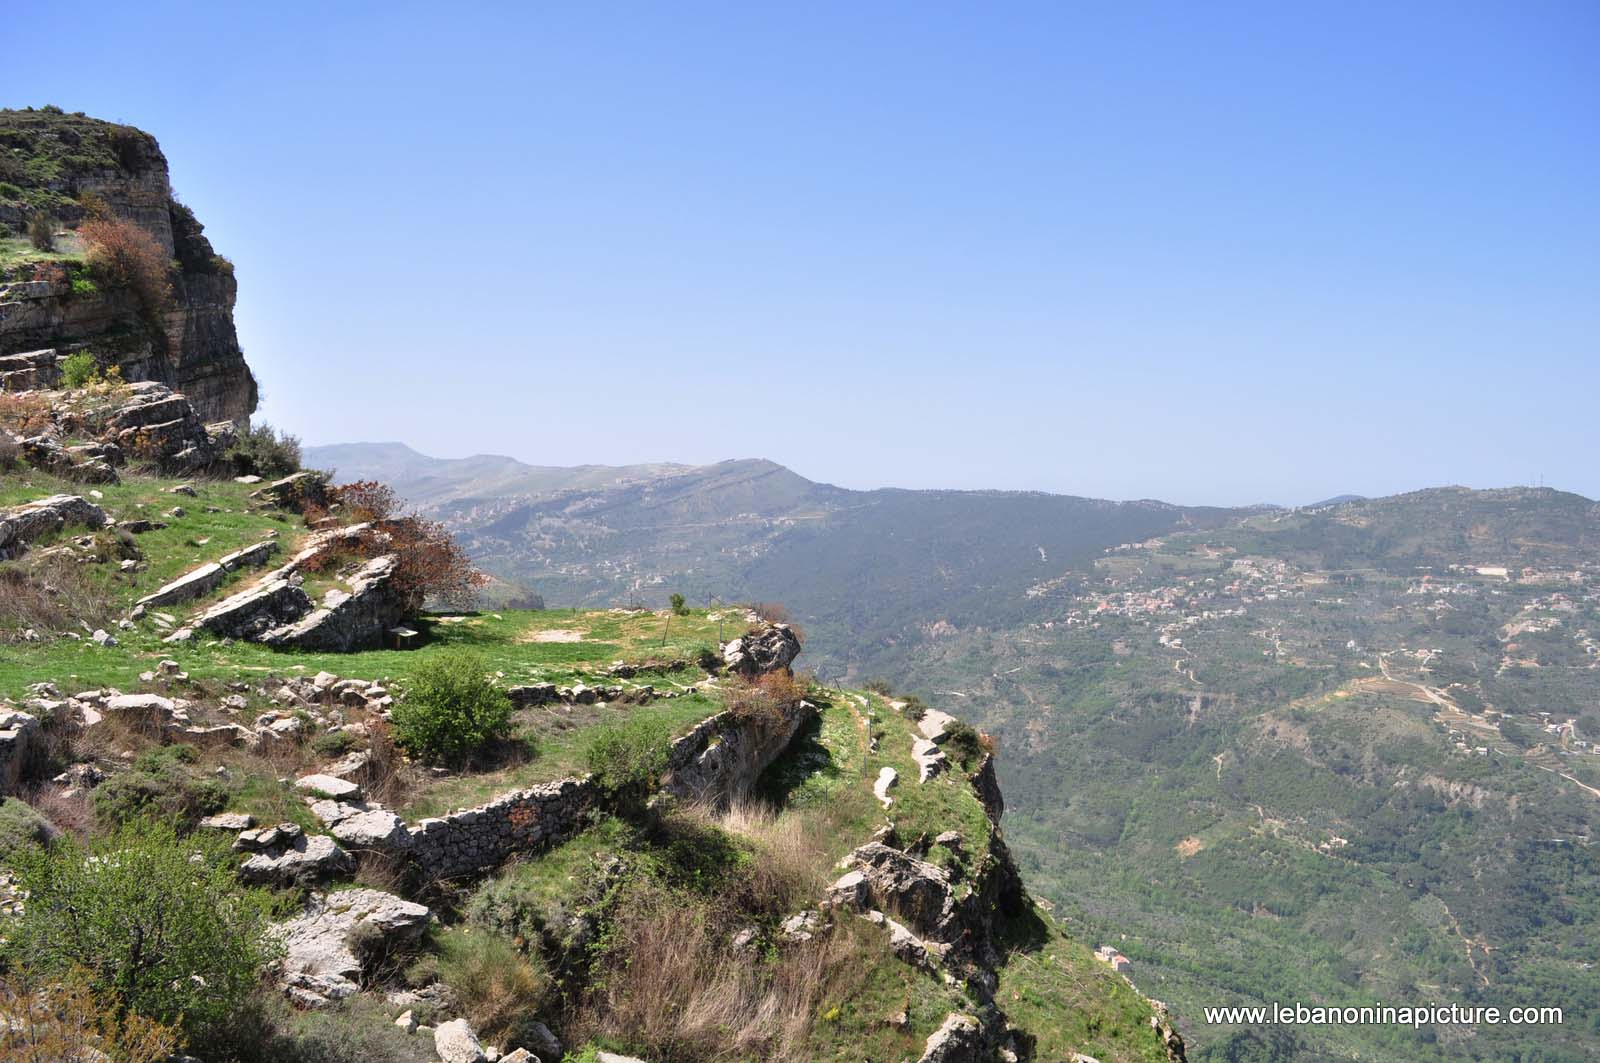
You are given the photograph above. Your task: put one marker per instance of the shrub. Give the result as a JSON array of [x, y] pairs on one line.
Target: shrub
[[879, 685], [79, 369], [262, 450], [162, 784], [500, 987], [62, 1020], [765, 699], [123, 254], [25, 414], [94, 204], [367, 500], [41, 232], [628, 758], [50, 593], [451, 709], [9, 191], [912, 707], [157, 923], [963, 742], [21, 828], [678, 606]]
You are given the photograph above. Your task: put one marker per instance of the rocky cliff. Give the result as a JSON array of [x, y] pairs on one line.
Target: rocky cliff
[[59, 169]]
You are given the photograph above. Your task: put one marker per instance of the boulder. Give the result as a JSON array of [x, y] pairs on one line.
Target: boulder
[[305, 859], [296, 492], [328, 786], [957, 1040], [768, 649], [253, 611], [320, 943], [935, 725], [456, 1043], [20, 746], [915, 889], [373, 829], [880, 789]]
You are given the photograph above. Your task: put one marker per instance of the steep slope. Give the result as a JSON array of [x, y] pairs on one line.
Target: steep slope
[[57, 170]]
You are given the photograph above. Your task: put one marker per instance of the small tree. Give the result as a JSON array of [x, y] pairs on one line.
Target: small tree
[[41, 233], [432, 565], [451, 709], [628, 759], [157, 922], [679, 608]]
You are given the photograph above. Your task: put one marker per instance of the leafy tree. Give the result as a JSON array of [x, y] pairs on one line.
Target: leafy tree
[[157, 922], [451, 709]]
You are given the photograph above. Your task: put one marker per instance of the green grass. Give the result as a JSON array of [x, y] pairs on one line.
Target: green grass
[[557, 737], [1053, 987]]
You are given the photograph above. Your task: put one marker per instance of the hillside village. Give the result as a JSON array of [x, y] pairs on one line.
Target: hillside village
[[274, 789]]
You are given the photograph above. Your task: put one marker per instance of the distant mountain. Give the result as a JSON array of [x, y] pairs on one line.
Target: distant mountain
[[1337, 500], [887, 562]]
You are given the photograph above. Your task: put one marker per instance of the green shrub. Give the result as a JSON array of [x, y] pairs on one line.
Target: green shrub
[[162, 784], [262, 450], [158, 922], [84, 287], [628, 758], [334, 743], [501, 989], [679, 608], [912, 707], [963, 743], [451, 709], [79, 369], [21, 828], [879, 685], [9, 191]]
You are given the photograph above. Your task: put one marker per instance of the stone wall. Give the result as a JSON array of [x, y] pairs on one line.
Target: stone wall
[[717, 761], [483, 838]]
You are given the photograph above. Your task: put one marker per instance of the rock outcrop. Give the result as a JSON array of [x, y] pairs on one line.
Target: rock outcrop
[[189, 343], [320, 962], [768, 649], [22, 524]]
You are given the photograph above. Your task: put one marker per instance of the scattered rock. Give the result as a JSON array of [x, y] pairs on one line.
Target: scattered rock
[[328, 786], [456, 1043], [229, 821], [887, 777]]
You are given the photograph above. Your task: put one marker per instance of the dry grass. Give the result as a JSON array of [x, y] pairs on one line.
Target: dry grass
[[791, 851], [50, 593], [670, 987], [73, 814]]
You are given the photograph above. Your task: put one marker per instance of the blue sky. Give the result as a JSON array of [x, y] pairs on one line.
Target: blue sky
[[1209, 253]]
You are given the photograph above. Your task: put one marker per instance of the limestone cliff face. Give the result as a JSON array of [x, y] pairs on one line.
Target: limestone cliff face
[[57, 165]]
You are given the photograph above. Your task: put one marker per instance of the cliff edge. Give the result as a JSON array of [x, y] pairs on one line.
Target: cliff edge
[[59, 171]]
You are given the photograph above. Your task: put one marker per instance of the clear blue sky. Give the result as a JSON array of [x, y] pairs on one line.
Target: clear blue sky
[[1203, 252]]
